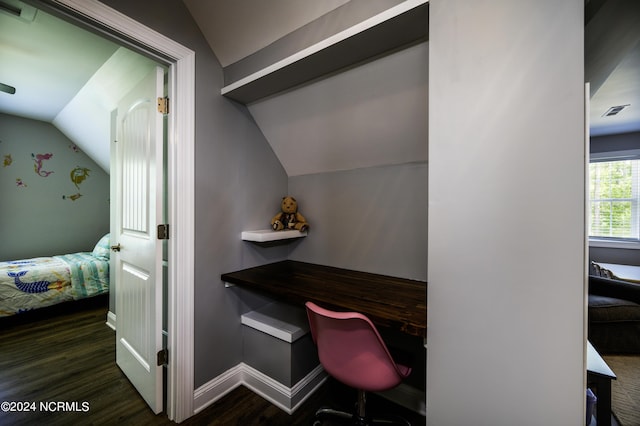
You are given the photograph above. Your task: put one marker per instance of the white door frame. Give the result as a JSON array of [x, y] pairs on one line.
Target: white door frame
[[180, 192]]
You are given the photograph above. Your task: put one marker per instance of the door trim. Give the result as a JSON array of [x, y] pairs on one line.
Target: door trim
[[180, 192]]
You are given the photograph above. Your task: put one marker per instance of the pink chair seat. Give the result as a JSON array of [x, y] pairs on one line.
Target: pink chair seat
[[351, 350]]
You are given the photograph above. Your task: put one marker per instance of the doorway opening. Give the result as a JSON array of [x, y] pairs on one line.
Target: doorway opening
[[180, 123]]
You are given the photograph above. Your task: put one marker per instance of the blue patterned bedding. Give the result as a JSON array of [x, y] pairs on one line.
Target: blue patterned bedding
[[43, 281]]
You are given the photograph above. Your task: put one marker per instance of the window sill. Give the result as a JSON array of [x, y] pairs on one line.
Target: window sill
[[631, 245]]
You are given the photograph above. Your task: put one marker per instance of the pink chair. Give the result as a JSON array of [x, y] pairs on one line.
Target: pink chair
[[351, 350]]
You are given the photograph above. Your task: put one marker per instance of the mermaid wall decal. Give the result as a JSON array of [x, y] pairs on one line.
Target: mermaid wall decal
[[38, 159]]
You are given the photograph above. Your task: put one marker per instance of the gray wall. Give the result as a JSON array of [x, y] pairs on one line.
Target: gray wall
[[354, 145], [372, 219], [36, 220], [239, 183], [620, 142], [614, 255]]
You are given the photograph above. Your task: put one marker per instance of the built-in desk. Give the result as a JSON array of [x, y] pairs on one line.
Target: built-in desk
[[391, 302]]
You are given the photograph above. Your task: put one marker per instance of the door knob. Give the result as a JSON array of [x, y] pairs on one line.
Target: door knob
[[116, 247]]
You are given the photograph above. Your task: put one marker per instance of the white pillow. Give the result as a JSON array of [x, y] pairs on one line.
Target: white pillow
[[102, 248]]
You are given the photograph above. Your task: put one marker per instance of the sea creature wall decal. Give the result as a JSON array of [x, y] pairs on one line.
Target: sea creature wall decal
[[72, 197], [38, 159], [78, 175], [7, 160]]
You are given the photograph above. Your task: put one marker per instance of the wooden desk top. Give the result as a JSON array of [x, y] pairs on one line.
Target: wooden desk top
[[392, 302]]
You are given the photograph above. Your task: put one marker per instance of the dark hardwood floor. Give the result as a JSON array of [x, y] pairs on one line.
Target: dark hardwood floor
[[67, 355]]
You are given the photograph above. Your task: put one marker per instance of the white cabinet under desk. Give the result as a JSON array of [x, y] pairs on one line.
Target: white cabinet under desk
[[280, 353]]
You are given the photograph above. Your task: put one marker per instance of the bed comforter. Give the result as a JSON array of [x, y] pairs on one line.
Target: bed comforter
[[43, 281]]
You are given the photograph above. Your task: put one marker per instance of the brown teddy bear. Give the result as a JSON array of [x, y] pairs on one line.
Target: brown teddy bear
[[289, 218]]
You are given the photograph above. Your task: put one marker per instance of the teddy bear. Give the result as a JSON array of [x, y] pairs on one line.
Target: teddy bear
[[289, 218]]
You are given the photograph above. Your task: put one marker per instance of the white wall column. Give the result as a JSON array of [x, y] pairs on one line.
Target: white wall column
[[506, 213]]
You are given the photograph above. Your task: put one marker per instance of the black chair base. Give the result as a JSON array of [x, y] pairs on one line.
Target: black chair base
[[357, 418], [330, 417]]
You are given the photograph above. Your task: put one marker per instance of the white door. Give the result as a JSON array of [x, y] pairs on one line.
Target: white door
[[137, 252]]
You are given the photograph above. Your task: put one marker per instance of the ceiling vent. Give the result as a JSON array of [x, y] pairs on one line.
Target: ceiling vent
[[614, 110], [18, 10]]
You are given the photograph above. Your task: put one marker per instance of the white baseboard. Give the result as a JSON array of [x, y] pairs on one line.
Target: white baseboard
[[111, 320], [215, 389], [286, 398]]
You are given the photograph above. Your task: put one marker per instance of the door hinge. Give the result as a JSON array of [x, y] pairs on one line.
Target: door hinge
[[163, 105], [163, 357], [163, 231]]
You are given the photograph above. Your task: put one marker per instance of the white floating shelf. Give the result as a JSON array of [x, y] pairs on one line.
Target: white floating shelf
[[264, 235]]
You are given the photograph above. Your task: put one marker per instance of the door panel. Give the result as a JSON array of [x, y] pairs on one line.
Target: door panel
[[138, 263]]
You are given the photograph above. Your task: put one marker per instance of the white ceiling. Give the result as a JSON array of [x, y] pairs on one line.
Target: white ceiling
[[622, 87], [612, 65], [49, 61]]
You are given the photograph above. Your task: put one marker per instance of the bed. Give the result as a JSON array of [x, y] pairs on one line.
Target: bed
[[29, 284]]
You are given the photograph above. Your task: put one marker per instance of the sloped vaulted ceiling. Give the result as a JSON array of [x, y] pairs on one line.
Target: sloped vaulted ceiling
[[236, 29], [64, 75], [40, 57], [371, 115]]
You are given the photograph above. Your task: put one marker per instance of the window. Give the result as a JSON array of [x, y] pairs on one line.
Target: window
[[614, 198]]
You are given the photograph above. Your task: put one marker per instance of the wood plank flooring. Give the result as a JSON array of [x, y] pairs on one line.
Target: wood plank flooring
[[67, 355]]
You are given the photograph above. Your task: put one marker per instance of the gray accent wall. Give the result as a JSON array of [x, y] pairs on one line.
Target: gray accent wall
[[372, 219], [620, 142], [614, 255], [45, 213]]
